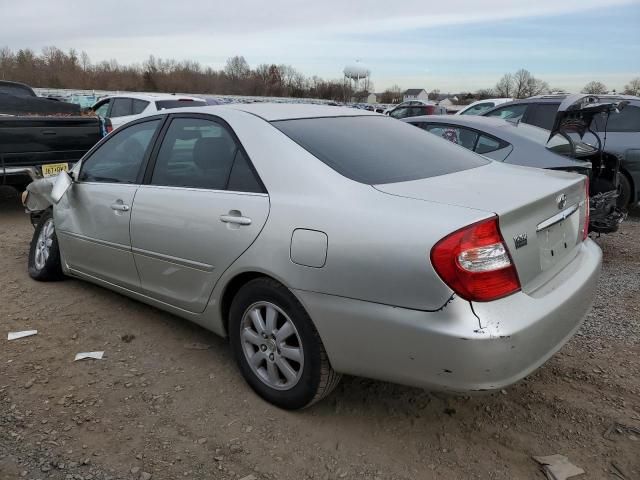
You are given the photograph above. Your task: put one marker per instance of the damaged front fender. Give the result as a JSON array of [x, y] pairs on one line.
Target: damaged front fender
[[45, 192]]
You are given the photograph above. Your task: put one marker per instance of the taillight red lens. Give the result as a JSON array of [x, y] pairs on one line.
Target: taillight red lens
[[585, 228], [475, 264]]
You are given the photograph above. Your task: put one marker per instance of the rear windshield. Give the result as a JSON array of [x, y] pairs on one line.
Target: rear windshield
[[163, 104], [376, 149]]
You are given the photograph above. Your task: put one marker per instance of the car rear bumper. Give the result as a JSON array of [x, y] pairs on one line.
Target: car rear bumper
[[455, 349]]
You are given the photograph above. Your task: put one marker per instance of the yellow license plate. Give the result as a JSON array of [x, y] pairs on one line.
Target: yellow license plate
[[54, 169]]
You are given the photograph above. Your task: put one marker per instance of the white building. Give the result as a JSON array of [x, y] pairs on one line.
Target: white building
[[415, 94]]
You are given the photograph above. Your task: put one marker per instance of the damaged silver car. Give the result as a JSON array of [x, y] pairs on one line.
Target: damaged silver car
[[325, 241]]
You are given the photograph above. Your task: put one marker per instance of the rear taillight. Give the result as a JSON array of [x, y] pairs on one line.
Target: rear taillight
[[585, 227], [108, 126], [475, 264]]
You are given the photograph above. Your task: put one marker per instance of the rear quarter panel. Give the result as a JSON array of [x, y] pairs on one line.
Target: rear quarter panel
[[378, 244]]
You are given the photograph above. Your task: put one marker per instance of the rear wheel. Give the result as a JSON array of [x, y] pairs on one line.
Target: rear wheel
[[44, 255], [624, 191], [277, 347]]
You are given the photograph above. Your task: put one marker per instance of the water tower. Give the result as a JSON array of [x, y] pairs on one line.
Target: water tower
[[356, 73]]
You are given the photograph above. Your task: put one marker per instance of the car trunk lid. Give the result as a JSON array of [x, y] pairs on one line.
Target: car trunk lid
[[541, 213]]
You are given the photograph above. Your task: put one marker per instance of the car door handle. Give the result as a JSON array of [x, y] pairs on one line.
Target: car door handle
[[238, 220], [121, 207]]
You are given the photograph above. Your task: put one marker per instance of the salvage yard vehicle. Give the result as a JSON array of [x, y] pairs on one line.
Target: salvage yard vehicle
[[116, 110], [421, 108], [40, 137], [619, 134], [517, 143], [480, 106], [325, 241]]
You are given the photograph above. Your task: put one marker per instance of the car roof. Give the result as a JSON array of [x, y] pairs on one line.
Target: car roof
[[559, 97], [152, 96], [287, 111]]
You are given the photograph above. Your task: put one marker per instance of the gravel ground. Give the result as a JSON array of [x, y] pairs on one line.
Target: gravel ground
[[167, 402]]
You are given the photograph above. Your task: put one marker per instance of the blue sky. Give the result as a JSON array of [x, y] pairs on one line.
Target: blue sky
[[567, 50], [454, 45]]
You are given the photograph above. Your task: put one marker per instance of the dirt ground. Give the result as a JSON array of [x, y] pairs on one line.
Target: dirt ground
[[161, 405]]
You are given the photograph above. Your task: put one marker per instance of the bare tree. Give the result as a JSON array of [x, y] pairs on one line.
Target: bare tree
[[237, 68], [434, 94], [484, 93], [521, 84], [505, 86], [595, 88], [633, 87]]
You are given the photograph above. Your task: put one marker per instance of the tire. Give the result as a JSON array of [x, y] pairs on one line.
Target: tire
[[290, 340], [44, 254], [624, 191]]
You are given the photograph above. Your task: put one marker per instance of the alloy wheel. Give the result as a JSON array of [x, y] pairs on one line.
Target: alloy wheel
[[272, 345], [43, 245]]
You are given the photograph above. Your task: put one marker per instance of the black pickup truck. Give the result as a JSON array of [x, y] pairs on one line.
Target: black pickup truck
[[40, 137]]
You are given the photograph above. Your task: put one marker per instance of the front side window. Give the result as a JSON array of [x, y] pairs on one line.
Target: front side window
[[375, 149], [120, 158], [121, 107], [102, 109], [510, 112], [478, 109], [201, 153]]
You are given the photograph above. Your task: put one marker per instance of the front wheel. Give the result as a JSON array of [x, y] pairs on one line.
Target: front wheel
[[277, 347], [44, 254]]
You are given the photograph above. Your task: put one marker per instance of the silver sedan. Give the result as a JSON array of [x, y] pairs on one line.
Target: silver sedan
[[325, 241]]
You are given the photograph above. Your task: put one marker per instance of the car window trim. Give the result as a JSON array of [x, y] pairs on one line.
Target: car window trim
[[151, 164], [145, 160]]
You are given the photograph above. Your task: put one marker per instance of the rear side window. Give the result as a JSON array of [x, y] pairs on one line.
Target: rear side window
[[242, 178], [376, 150], [487, 144], [202, 153], [121, 107], [543, 115], [460, 136], [139, 106], [164, 104], [627, 120]]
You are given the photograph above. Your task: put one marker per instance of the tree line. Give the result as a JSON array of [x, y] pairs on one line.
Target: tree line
[[54, 68]]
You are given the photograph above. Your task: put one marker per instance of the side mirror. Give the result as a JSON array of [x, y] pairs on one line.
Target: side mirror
[[60, 186]]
